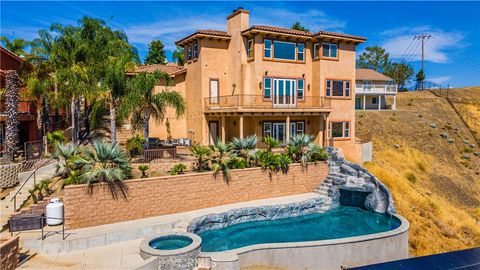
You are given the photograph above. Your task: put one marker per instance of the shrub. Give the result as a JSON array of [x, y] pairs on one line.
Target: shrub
[[143, 168], [411, 177], [237, 163], [273, 162], [135, 144], [468, 150], [178, 169], [41, 190], [55, 137], [201, 153]]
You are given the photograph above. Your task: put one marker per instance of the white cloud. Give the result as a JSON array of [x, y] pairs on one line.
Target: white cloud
[[439, 79], [437, 48]]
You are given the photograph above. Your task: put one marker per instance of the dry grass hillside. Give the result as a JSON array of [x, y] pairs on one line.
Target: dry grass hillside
[[434, 186]]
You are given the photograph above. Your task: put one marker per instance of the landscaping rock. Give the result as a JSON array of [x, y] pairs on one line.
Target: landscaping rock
[[433, 125], [348, 169], [477, 154], [444, 135], [466, 156], [396, 146], [472, 145], [451, 140], [465, 141]]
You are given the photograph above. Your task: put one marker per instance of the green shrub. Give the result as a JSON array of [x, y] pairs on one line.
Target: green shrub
[[143, 168], [41, 190], [178, 169], [202, 154], [55, 137], [468, 150], [273, 162], [134, 145], [237, 163], [411, 177]]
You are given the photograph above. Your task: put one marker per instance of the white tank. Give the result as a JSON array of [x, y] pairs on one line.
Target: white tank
[[54, 212]]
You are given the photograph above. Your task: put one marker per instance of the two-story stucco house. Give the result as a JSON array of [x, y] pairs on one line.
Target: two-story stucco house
[[374, 91], [266, 80]]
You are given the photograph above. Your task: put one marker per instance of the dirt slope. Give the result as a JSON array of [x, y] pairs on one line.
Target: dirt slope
[[435, 187]]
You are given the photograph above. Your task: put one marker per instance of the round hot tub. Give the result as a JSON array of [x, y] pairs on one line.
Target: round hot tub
[[174, 250]]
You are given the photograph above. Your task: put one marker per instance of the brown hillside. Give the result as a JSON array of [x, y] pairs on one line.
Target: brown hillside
[[434, 186]]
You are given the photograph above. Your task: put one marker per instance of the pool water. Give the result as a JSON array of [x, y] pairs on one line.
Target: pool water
[[337, 223], [170, 242]]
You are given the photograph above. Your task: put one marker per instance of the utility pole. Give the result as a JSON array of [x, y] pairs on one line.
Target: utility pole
[[423, 37]]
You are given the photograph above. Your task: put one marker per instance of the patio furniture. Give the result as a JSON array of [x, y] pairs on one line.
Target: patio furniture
[[175, 142], [153, 142], [162, 143]]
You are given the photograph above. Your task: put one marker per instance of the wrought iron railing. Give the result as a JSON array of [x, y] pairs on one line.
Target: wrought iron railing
[[260, 102]]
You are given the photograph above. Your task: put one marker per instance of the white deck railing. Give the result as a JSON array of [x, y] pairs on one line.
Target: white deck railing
[[376, 88]]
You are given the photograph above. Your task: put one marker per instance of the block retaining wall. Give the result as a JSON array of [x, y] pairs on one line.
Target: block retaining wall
[[9, 172], [173, 194], [9, 253]]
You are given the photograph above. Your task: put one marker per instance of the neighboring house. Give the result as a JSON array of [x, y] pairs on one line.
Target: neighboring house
[[266, 80], [374, 91], [27, 111]]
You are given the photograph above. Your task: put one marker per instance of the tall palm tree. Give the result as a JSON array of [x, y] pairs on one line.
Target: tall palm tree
[[11, 100], [16, 45], [145, 103]]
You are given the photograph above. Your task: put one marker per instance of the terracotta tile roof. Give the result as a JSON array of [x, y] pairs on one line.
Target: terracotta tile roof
[[278, 30], [289, 31], [371, 75], [170, 68], [211, 33]]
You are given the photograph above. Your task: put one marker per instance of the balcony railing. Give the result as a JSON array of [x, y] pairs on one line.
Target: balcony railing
[[260, 102], [376, 88], [23, 107]]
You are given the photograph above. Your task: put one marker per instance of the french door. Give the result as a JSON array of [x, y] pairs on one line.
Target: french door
[[284, 93], [279, 132]]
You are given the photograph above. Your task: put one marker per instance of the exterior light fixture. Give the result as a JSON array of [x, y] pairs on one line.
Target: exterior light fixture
[[260, 84]]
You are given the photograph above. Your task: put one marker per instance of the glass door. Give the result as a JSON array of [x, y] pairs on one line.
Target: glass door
[[279, 132], [284, 93]]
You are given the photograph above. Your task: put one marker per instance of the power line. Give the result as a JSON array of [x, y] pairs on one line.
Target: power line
[[459, 58], [423, 37]]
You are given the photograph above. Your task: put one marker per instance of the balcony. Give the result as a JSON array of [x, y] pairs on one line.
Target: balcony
[[257, 103], [376, 89]]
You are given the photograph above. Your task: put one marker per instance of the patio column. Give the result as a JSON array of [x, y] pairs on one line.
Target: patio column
[[223, 128], [364, 101], [379, 102], [240, 125], [394, 102], [287, 131], [321, 123], [326, 133]]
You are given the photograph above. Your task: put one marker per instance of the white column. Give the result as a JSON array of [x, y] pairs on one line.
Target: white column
[[223, 129], [394, 102], [364, 101], [240, 125], [287, 131], [321, 123], [379, 102]]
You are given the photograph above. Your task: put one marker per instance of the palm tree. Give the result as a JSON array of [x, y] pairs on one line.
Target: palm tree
[[17, 45], [11, 100], [178, 56], [243, 147], [145, 103], [298, 148], [201, 154]]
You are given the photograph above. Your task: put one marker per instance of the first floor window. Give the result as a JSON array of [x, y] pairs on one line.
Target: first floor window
[[300, 128], [339, 129], [267, 129], [267, 88], [195, 50], [250, 50], [336, 88], [300, 88], [374, 100], [329, 50]]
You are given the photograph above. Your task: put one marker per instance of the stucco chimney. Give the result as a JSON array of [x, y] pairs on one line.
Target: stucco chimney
[[238, 21]]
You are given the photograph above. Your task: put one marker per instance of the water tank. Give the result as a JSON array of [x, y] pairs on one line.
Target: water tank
[[54, 212]]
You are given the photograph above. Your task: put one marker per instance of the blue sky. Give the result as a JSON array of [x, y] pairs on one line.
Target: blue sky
[[452, 55]]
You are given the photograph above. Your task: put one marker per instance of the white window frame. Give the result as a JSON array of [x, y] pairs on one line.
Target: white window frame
[[269, 88], [250, 49], [302, 89], [330, 45], [346, 88], [284, 59], [195, 51], [300, 130], [189, 53], [300, 53], [265, 124], [345, 129], [268, 49], [316, 50]]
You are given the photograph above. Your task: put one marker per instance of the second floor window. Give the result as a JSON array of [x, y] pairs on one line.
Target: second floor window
[[189, 53], [195, 51], [267, 48], [267, 87], [301, 52], [284, 50], [300, 88], [250, 48], [315, 50], [330, 50], [338, 88]]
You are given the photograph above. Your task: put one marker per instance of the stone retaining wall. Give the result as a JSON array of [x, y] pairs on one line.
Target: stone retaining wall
[[9, 172], [173, 194], [9, 253]]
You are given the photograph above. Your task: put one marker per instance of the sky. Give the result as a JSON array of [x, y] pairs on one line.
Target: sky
[[452, 54]]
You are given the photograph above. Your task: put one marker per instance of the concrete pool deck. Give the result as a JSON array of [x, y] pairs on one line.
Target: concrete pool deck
[[116, 246]]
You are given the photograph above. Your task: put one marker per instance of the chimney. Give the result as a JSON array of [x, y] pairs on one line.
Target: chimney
[[238, 21]]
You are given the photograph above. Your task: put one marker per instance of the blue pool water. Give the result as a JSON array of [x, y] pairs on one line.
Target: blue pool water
[[340, 222], [170, 242]]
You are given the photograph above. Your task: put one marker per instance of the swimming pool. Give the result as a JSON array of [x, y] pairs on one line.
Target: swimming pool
[[340, 222]]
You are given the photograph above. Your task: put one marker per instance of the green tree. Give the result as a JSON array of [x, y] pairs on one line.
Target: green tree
[[144, 103], [156, 53], [16, 45], [419, 78], [178, 56], [401, 73], [298, 26], [374, 58]]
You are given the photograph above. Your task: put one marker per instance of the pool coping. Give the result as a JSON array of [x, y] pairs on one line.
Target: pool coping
[[232, 255], [145, 247]]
